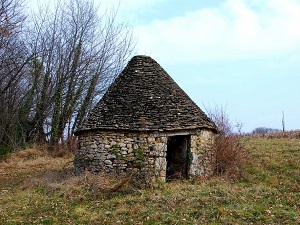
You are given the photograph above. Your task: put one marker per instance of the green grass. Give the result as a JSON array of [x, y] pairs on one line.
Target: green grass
[[43, 192]]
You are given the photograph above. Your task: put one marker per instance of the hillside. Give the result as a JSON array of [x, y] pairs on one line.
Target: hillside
[[37, 188]]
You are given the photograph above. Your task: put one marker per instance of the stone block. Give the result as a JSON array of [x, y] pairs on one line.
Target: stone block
[[150, 139], [98, 156], [103, 157], [111, 156], [98, 139], [108, 162], [151, 161], [89, 156], [122, 145], [93, 146]]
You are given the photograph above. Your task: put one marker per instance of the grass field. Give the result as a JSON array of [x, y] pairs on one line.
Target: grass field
[[37, 188]]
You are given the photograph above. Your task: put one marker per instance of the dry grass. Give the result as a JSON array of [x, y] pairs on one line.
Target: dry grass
[[268, 193], [32, 161], [36, 166]]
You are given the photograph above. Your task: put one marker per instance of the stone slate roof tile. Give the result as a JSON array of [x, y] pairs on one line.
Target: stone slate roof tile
[[143, 98]]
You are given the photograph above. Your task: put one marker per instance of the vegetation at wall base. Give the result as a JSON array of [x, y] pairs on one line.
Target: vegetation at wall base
[[37, 188]]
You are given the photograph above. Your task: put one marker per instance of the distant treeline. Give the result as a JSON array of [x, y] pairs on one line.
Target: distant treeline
[[265, 130], [293, 134]]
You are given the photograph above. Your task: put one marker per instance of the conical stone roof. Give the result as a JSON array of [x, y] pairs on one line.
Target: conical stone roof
[[145, 98]]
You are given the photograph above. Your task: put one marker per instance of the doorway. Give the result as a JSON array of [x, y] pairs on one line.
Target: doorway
[[178, 149]]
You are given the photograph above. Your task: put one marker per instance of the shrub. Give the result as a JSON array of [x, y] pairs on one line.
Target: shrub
[[230, 156], [4, 150]]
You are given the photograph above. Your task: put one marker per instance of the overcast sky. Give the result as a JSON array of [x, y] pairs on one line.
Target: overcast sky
[[242, 54]]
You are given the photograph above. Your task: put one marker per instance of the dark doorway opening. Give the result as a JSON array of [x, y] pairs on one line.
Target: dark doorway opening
[[177, 157]]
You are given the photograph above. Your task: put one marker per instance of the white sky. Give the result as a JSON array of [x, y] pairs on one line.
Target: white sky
[[242, 54]]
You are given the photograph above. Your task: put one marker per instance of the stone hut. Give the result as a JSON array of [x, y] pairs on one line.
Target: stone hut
[[146, 124]]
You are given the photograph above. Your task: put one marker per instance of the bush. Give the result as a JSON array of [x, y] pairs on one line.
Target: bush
[[4, 150], [230, 156]]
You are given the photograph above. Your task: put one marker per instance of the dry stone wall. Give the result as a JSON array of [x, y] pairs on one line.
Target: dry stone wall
[[121, 153], [124, 153], [202, 153]]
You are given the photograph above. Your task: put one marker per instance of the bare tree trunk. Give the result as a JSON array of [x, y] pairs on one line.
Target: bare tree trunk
[[283, 128]]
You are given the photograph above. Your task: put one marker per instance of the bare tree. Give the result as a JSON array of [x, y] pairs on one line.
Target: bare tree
[[50, 80], [14, 58], [80, 55], [283, 127], [221, 119], [10, 17]]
